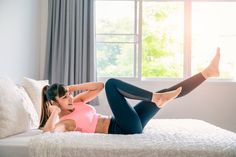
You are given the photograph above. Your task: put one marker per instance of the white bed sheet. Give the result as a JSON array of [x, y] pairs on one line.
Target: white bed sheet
[[161, 137], [17, 145]]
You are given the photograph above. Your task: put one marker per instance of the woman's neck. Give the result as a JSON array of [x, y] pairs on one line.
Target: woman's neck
[[65, 112]]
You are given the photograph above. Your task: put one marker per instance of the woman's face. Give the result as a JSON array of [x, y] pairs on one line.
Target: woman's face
[[66, 101]]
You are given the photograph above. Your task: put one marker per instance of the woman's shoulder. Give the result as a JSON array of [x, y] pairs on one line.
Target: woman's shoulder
[[80, 103], [82, 106]]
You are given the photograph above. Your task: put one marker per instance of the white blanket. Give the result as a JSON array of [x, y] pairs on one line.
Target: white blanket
[[161, 138]]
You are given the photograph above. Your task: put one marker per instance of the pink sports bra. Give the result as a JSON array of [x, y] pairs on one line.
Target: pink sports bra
[[85, 117]]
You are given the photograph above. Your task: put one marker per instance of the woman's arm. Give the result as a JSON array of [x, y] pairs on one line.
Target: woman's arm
[[92, 89], [51, 124]]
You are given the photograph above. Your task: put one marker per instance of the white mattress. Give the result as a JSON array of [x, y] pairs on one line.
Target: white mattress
[[161, 137], [17, 145]]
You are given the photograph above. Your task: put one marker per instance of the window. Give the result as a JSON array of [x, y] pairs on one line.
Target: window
[[163, 39]]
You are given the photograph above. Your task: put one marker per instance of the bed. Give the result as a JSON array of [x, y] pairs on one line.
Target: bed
[[17, 145], [161, 137]]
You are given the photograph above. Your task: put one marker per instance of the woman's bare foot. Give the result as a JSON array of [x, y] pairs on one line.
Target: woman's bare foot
[[161, 99], [213, 68]]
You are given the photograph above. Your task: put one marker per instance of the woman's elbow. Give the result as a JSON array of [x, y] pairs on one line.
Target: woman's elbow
[[100, 85], [48, 130]]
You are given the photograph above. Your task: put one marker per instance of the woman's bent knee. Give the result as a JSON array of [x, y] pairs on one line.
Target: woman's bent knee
[[110, 82]]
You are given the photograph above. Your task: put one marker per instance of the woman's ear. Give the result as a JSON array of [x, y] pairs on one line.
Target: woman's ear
[[54, 103]]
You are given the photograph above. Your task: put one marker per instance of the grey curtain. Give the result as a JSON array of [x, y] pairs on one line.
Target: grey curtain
[[70, 57]]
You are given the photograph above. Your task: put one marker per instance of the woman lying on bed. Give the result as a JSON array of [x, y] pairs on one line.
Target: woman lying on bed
[[61, 111]]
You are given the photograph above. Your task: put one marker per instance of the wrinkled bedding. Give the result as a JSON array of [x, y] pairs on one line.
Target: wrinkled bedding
[[161, 138]]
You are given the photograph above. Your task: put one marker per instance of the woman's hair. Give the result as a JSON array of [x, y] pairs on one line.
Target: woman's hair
[[49, 94]]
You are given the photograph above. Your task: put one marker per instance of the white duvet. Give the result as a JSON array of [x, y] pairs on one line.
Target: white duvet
[[161, 138]]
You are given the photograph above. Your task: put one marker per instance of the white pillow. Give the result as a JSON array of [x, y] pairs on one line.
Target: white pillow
[[29, 107], [34, 90], [13, 117]]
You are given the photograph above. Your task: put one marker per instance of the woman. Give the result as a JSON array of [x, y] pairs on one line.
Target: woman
[[63, 112]]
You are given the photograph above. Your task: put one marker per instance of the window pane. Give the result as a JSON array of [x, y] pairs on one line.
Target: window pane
[[162, 39], [115, 38], [115, 60], [115, 17], [213, 24]]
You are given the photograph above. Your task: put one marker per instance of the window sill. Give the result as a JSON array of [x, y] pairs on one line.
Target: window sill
[[211, 80]]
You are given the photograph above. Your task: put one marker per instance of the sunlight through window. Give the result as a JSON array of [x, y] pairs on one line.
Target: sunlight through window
[[213, 25]]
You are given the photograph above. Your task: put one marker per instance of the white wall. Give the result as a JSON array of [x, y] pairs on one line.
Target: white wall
[[214, 102], [19, 39]]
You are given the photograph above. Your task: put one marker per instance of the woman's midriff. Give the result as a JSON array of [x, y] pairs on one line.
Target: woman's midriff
[[103, 124]]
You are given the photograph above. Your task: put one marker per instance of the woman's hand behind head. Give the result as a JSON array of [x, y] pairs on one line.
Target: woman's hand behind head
[[54, 108]]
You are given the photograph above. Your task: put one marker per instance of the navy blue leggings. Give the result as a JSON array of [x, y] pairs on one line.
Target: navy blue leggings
[[131, 120]]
